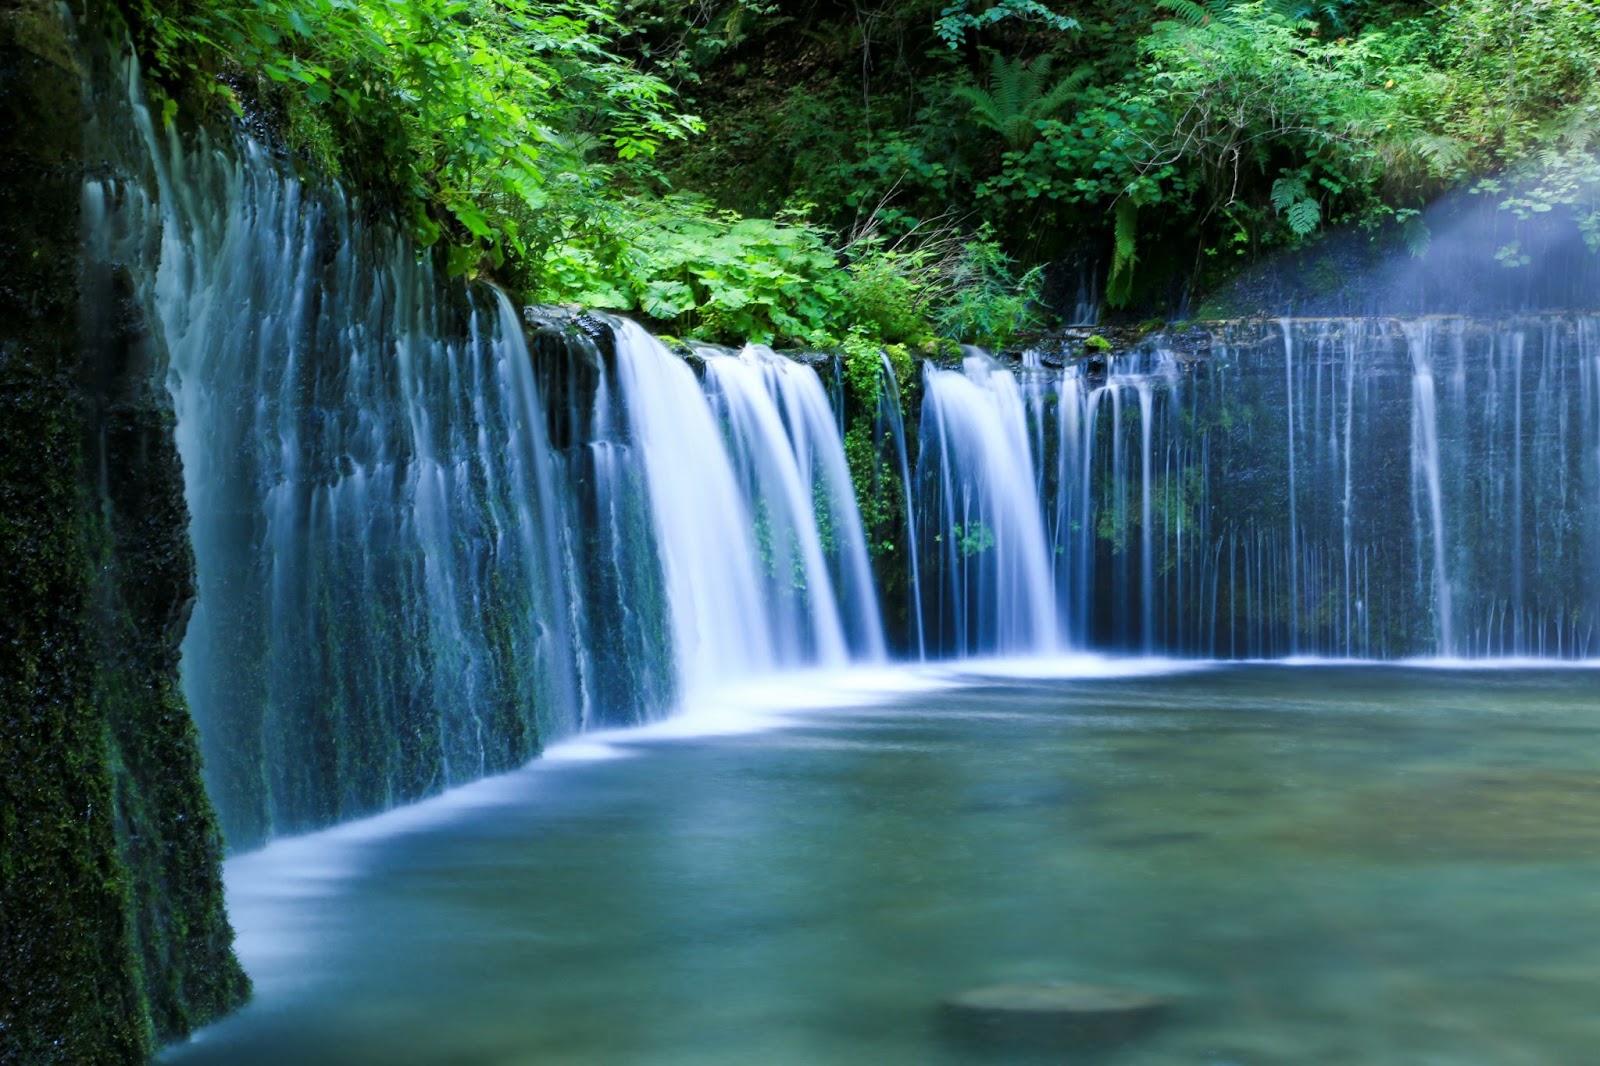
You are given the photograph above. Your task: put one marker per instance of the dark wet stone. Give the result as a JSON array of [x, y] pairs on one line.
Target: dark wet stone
[[1153, 840], [1050, 1014]]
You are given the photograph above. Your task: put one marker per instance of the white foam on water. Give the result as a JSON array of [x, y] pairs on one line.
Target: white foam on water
[[1427, 662], [1068, 667], [1508, 663], [273, 893]]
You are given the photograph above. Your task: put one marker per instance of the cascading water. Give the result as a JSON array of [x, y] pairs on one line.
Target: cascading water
[[1294, 521], [983, 541], [1336, 488], [376, 521], [1428, 516], [430, 540], [785, 444], [708, 548], [1106, 598], [1589, 416], [756, 577], [424, 549], [889, 427]]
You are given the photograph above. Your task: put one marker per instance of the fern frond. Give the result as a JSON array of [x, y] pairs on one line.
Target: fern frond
[[1125, 238], [1053, 100], [1418, 237], [984, 106], [1285, 191], [1195, 14], [1017, 97], [1304, 216], [1580, 130], [1009, 81], [1291, 198], [1308, 13], [1444, 154]]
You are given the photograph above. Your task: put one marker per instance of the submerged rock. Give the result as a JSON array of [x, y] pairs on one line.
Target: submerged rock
[[1053, 1014], [1494, 814]]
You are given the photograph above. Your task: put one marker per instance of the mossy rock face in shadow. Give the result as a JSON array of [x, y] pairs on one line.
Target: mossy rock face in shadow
[[110, 880], [1528, 815]]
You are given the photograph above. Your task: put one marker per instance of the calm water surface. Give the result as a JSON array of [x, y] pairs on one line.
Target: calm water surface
[[1319, 864]]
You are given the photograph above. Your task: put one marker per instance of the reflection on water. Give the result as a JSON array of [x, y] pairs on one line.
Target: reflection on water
[[1318, 864]]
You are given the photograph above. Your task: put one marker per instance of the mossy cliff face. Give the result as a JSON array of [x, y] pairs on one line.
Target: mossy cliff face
[[870, 449], [112, 930]]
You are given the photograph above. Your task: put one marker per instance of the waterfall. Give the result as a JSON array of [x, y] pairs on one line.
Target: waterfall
[[424, 547], [1293, 411], [1589, 416], [1429, 515], [787, 450], [1369, 488], [1335, 487], [381, 543], [759, 534], [983, 543], [702, 523], [889, 424], [1108, 597], [431, 536]]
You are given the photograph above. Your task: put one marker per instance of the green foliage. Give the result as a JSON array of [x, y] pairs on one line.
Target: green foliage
[[1019, 95], [1193, 13], [1199, 13], [1125, 237], [862, 363], [536, 139], [1291, 199], [1525, 98], [1194, 136], [972, 538], [702, 272], [889, 289], [474, 117], [958, 20], [874, 483], [682, 39], [987, 301], [878, 492], [705, 272], [1241, 121]]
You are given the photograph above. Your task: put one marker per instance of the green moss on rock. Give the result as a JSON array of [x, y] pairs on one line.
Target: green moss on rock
[[112, 930]]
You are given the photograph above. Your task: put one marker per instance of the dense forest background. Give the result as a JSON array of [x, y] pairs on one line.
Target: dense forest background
[[906, 171]]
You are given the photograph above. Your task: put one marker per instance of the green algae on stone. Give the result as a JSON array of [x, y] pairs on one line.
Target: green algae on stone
[[1511, 814]]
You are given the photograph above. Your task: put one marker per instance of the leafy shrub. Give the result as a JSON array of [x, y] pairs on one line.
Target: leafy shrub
[[986, 302], [958, 19], [701, 271], [462, 112]]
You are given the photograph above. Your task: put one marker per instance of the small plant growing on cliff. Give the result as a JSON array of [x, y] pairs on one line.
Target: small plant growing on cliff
[[970, 538], [877, 489], [988, 303]]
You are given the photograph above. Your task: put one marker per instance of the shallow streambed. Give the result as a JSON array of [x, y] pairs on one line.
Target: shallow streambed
[[1319, 864]]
